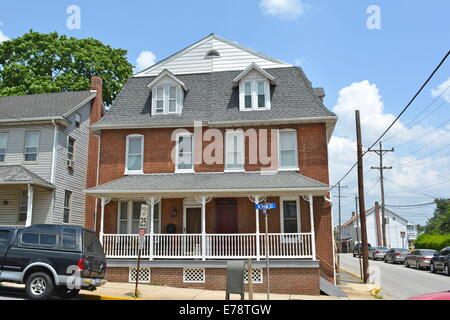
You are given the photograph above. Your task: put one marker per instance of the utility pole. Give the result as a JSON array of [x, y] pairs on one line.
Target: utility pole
[[362, 209], [380, 152], [357, 236]]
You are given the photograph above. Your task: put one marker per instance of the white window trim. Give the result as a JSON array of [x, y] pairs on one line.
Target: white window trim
[[166, 94], [18, 208], [77, 115], [69, 207], [184, 134], [68, 152], [296, 167], [297, 200], [130, 215], [141, 170], [6, 147], [37, 147], [254, 90], [238, 133]]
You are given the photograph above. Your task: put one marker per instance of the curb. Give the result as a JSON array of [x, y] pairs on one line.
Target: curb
[[353, 274], [102, 297], [374, 292]]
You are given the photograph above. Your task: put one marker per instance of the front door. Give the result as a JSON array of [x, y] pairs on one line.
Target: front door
[[193, 220], [226, 216]]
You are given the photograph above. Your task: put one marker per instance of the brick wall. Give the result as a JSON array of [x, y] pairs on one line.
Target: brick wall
[[282, 280]]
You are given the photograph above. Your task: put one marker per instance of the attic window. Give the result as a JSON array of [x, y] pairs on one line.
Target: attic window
[[254, 95], [212, 54]]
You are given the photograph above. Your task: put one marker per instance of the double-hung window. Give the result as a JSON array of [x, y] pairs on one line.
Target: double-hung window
[[288, 153], [3, 146], [185, 153], [134, 154], [77, 120], [290, 217], [23, 206], [254, 95], [234, 151], [67, 206], [167, 99], [70, 148], [31, 146], [129, 216]]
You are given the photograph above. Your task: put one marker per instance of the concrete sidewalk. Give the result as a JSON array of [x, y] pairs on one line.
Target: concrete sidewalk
[[354, 288]]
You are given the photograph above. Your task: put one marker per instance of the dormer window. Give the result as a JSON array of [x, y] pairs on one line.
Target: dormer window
[[167, 94]]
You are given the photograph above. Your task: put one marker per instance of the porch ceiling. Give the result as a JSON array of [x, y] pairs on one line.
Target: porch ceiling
[[230, 183], [19, 175]]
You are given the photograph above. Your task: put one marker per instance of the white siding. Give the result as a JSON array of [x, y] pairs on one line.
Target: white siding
[[72, 180], [393, 229]]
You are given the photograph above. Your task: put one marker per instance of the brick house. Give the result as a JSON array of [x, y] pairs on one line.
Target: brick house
[[201, 137]]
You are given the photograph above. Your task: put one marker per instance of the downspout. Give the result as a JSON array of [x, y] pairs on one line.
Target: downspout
[[54, 160], [96, 183]]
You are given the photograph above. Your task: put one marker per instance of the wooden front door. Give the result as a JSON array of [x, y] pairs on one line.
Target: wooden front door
[[226, 216], [193, 220]]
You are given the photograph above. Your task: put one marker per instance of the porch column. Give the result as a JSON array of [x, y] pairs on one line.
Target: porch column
[[203, 227], [152, 201], [29, 220], [257, 229], [313, 233], [104, 202]]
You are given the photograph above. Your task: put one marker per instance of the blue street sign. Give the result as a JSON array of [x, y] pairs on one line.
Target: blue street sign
[[265, 206]]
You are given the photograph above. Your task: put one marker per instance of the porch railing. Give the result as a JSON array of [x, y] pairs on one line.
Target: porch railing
[[217, 246]]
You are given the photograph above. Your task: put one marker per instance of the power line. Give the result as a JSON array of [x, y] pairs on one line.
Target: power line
[[401, 113], [410, 188]]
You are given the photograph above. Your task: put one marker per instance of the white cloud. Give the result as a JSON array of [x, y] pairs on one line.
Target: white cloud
[[444, 86], [146, 59], [284, 9], [3, 37], [299, 62]]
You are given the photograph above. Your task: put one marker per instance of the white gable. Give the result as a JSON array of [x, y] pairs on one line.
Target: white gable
[[232, 57]]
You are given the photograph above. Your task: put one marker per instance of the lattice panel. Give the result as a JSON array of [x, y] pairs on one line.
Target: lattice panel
[[193, 275], [144, 275], [257, 276]]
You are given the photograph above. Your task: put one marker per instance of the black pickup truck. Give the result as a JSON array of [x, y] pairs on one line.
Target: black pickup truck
[[52, 259]]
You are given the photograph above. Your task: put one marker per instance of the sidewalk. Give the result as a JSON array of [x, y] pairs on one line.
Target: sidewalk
[[354, 288]]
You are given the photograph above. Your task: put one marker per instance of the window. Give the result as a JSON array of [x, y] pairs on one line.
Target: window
[[42, 239], [77, 120], [254, 95], [234, 150], [67, 205], [30, 238], [3, 146], [69, 238], [288, 150], [23, 206], [290, 216], [184, 153], [167, 99], [4, 235], [70, 148], [134, 156], [129, 215], [31, 146]]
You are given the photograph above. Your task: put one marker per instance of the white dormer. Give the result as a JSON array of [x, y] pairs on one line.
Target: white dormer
[[167, 94], [254, 88]]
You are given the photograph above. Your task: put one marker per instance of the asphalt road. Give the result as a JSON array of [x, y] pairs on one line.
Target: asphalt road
[[398, 282], [11, 293]]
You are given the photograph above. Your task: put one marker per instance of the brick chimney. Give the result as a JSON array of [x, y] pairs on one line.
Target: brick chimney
[[377, 219], [96, 114]]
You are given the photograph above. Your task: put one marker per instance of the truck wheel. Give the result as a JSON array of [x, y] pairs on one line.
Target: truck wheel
[[64, 293], [39, 286]]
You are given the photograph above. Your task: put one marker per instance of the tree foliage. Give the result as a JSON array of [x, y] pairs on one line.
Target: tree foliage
[[439, 223], [44, 63]]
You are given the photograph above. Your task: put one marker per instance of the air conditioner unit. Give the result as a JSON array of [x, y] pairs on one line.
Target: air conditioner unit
[[69, 163]]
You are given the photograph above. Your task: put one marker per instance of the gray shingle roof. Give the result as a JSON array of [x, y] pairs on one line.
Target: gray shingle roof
[[41, 105], [211, 97], [16, 174], [197, 182]]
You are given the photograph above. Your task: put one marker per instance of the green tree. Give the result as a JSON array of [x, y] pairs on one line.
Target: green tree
[[44, 63], [439, 223]]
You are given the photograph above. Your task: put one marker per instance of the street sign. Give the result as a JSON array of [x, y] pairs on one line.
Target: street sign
[[402, 234], [265, 206], [144, 215]]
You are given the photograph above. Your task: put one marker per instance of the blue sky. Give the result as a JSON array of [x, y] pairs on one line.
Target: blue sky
[[328, 39]]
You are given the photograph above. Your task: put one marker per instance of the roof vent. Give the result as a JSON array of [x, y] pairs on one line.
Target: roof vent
[[211, 54]]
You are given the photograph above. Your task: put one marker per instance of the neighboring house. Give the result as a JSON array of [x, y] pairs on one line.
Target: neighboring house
[[397, 235], [44, 142], [202, 202]]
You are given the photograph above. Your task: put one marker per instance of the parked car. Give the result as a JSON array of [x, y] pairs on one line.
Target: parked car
[[396, 255], [357, 250], [51, 259], [445, 295], [441, 261], [377, 252], [419, 258]]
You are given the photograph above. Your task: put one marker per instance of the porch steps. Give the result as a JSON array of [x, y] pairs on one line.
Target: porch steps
[[330, 289]]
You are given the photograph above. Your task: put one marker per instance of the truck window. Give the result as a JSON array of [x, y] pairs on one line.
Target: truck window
[[30, 238], [69, 238], [4, 234], [38, 239], [91, 243]]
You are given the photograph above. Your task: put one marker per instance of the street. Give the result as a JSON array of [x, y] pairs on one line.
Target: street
[[398, 282]]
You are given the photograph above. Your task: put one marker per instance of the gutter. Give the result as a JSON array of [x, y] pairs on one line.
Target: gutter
[[59, 119]]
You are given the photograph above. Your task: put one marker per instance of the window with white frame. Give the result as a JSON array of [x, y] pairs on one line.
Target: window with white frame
[[23, 206], [129, 215], [70, 148], [77, 120], [288, 153], [31, 146], [234, 151], [290, 216], [254, 95], [134, 154], [3, 146], [67, 206], [167, 99], [185, 152]]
